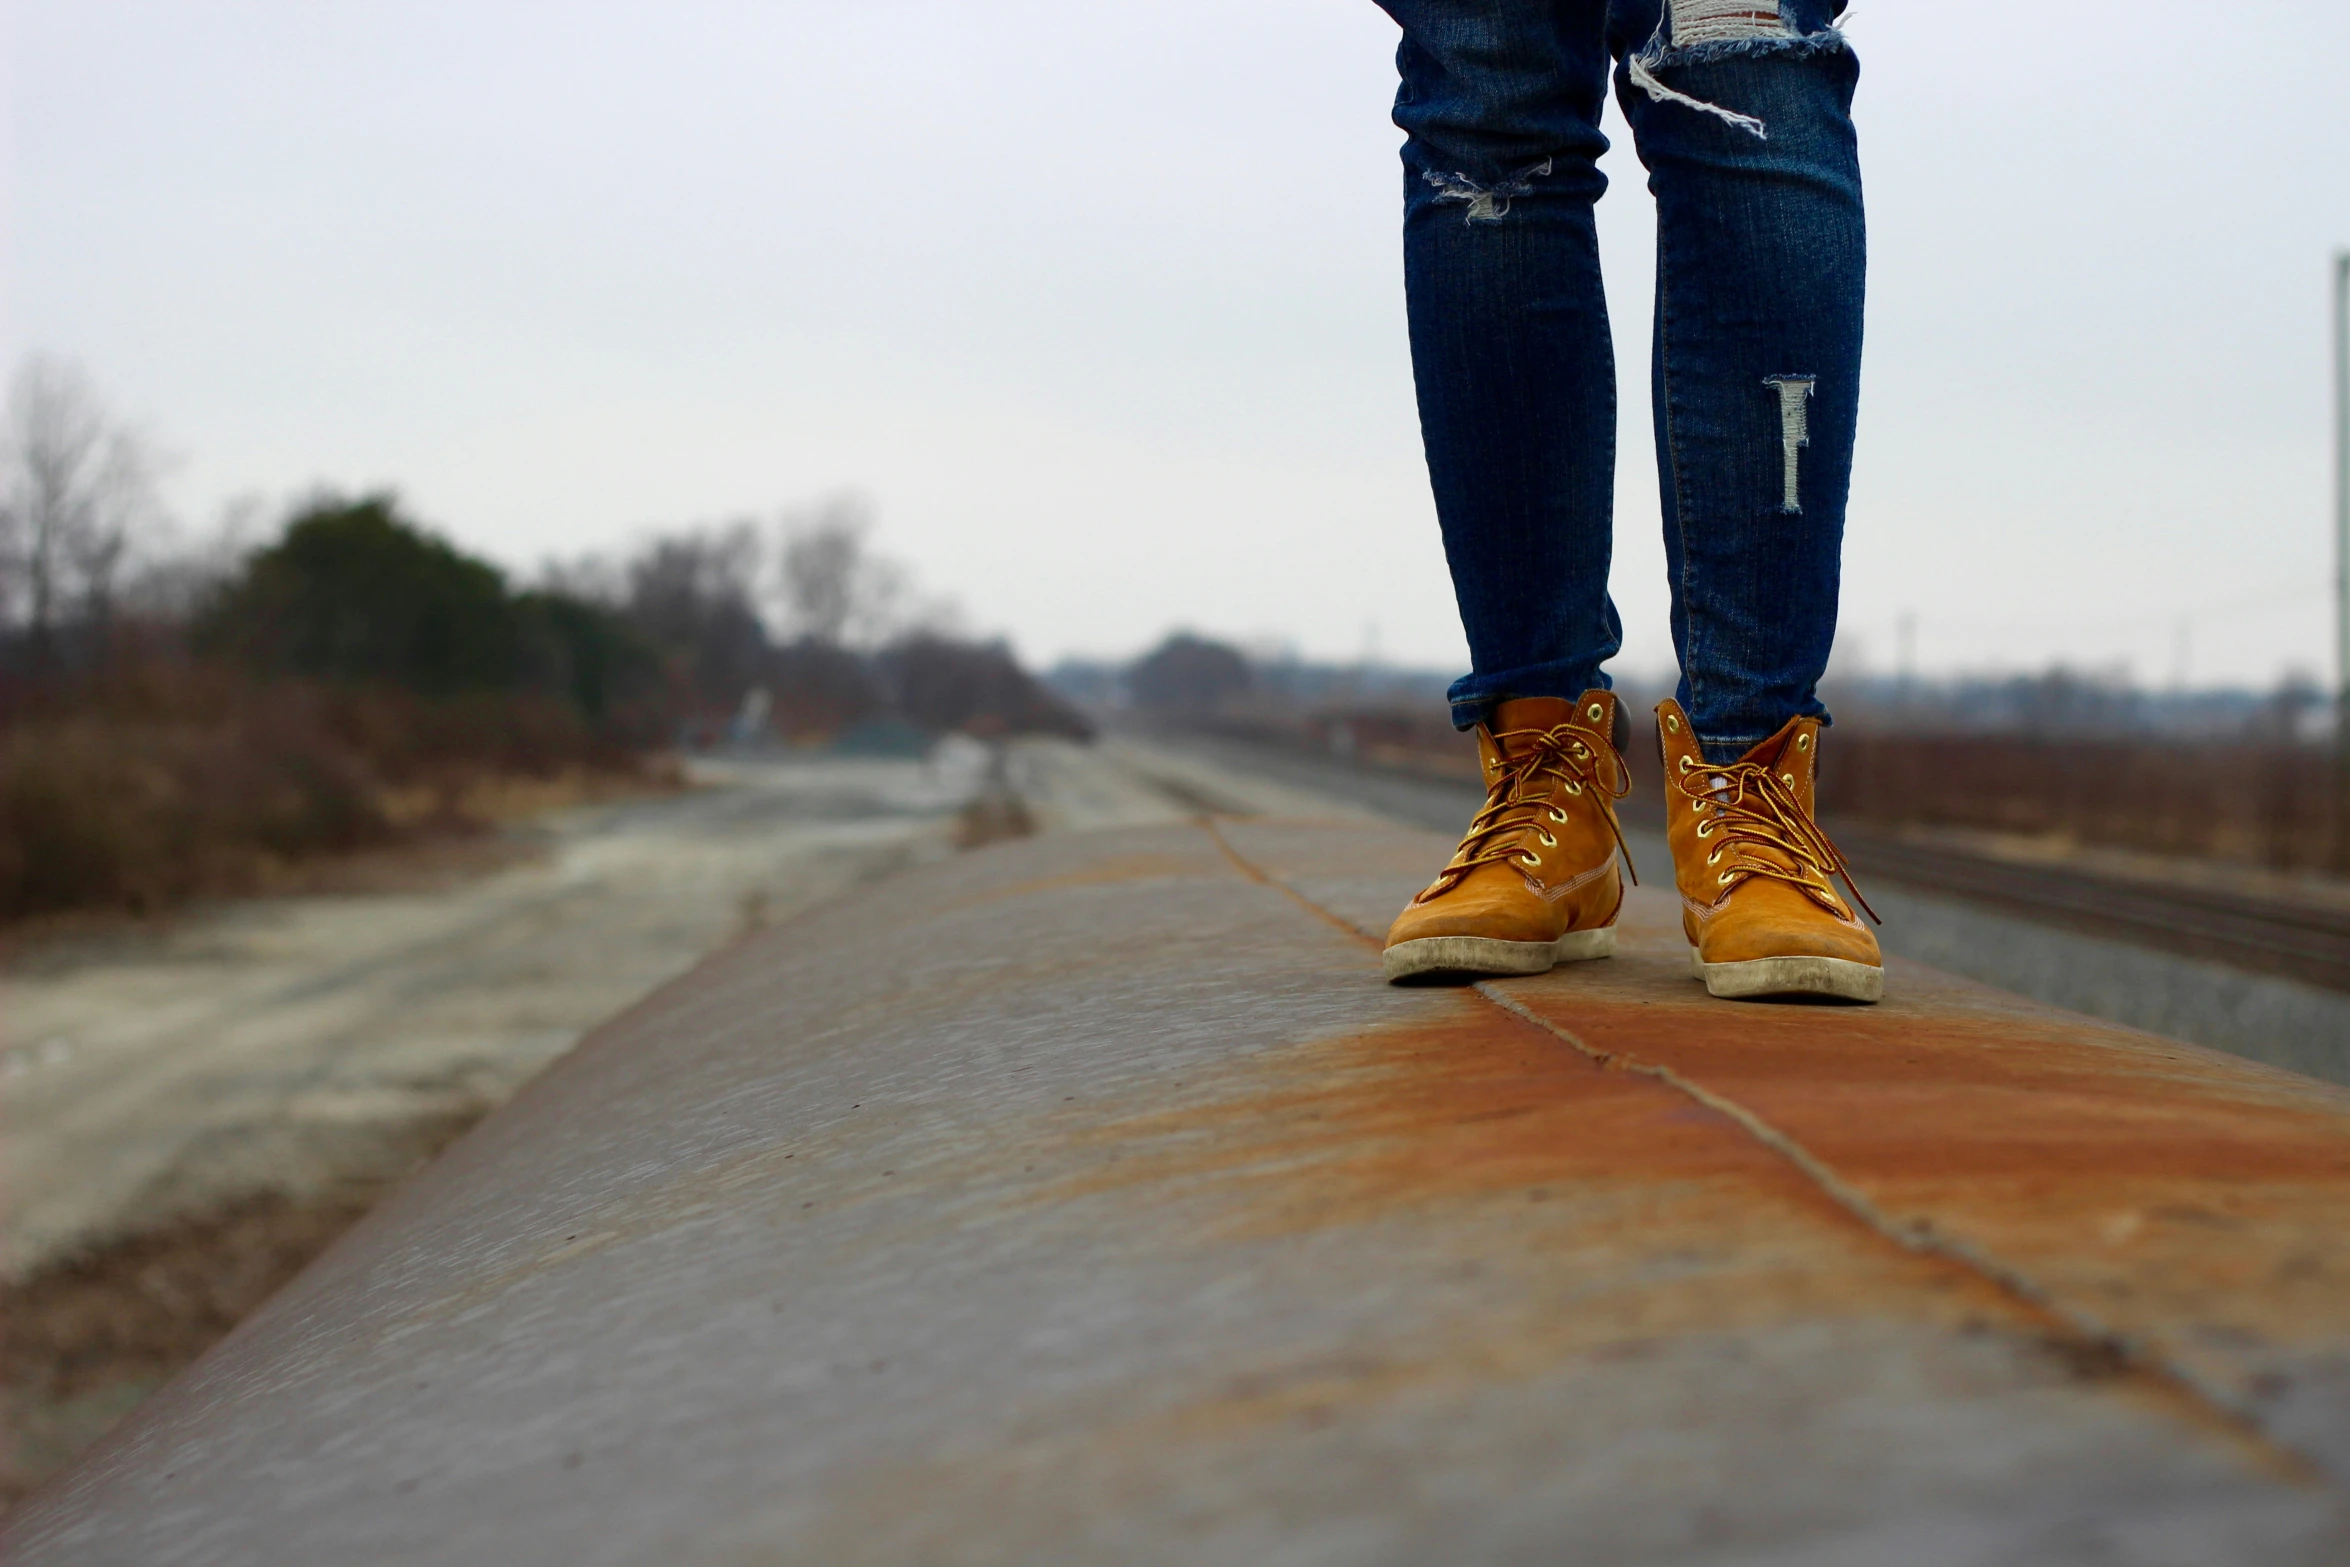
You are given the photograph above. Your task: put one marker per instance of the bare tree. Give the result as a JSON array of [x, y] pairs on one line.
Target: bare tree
[[590, 578], [837, 591], [824, 567], [174, 575], [76, 487], [695, 593]]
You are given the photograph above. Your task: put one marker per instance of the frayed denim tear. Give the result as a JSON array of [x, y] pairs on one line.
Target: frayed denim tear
[[1642, 67], [1486, 203]]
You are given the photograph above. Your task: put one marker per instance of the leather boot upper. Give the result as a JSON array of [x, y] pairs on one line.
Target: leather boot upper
[[1756, 874], [1540, 859]]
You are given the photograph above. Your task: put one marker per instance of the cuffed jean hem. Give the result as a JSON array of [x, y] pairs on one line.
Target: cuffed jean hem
[[1715, 748], [1724, 752], [1472, 696]]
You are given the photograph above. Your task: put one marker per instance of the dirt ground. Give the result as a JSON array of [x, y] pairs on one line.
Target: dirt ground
[[190, 1113]]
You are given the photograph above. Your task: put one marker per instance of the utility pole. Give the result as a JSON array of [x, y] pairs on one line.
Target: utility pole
[[2342, 499], [2341, 843]]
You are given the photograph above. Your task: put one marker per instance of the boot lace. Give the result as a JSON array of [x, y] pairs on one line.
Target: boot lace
[[1765, 828], [1516, 801]]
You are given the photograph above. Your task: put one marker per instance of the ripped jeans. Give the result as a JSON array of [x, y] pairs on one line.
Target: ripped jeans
[[1741, 111]]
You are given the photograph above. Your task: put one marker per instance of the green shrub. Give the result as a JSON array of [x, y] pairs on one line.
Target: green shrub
[[353, 591], [590, 657]]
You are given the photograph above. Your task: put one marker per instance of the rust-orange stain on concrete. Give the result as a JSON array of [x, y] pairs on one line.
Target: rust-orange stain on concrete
[[1644, 1214], [2191, 1203], [2187, 1200], [1578, 1216]]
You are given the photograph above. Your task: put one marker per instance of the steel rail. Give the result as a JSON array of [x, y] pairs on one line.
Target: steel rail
[[2304, 941]]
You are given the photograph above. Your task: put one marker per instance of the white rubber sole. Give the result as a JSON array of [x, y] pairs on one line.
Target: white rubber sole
[[1838, 978], [1484, 955]]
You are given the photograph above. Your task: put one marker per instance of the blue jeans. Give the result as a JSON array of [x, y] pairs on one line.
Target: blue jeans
[[1741, 111]]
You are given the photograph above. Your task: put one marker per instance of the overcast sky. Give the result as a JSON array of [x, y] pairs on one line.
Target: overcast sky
[[1100, 301]]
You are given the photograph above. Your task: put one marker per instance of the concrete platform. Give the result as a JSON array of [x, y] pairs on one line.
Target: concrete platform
[[1089, 1199]]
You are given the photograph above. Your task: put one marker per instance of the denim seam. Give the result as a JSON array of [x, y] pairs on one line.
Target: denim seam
[[1664, 375]]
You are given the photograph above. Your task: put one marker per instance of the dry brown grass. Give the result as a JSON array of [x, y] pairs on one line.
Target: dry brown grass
[[156, 785], [2258, 804]]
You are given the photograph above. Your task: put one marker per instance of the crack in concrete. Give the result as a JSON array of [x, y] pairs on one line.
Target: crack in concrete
[[2083, 1333], [1920, 1238]]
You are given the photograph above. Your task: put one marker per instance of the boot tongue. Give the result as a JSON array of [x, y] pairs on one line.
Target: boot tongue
[[1532, 712], [1778, 753], [1772, 751]]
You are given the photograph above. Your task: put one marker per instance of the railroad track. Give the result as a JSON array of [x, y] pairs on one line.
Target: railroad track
[[2301, 940]]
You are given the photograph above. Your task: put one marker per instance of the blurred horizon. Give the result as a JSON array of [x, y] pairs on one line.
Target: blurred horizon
[[1102, 313]]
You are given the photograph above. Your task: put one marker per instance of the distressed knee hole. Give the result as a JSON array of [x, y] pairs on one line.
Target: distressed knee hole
[[1717, 21], [1689, 31], [1486, 203]]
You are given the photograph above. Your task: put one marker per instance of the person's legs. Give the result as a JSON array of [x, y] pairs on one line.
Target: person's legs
[[1500, 102], [1516, 376], [1741, 109]]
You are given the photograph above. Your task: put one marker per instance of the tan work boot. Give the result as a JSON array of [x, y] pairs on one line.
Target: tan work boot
[[1758, 899], [1535, 881]]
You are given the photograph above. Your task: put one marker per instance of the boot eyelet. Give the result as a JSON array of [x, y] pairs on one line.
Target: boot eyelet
[[1595, 712], [1714, 858], [1534, 860], [1581, 749], [1672, 724], [1574, 788], [1803, 742], [1705, 829], [1788, 779], [1558, 816], [1548, 842], [1697, 805], [1723, 880], [1688, 762]]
